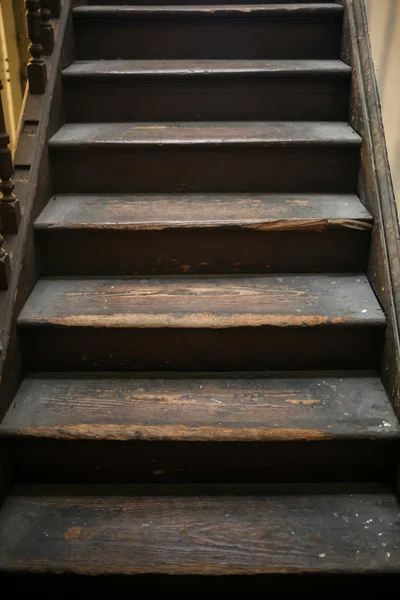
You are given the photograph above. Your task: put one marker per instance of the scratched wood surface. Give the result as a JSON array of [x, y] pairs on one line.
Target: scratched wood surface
[[198, 302], [155, 211], [203, 323], [209, 233], [216, 409], [205, 427], [261, 134], [77, 531]]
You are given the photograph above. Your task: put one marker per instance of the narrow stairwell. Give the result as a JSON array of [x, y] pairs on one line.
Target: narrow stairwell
[[202, 395]]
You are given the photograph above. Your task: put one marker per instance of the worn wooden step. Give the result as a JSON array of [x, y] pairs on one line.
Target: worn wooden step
[[257, 156], [203, 323], [206, 2], [204, 427], [219, 31], [209, 233], [207, 90], [199, 530]]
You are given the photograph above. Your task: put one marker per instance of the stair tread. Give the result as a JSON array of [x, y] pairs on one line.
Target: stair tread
[[204, 530], [265, 134], [106, 68], [204, 302], [218, 408], [290, 10], [155, 211]]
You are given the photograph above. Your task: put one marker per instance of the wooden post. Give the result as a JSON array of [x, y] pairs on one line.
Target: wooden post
[[47, 29], [5, 266], [55, 8], [37, 74], [10, 212]]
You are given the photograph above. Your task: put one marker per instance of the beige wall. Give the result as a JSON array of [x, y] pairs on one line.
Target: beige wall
[[384, 26]]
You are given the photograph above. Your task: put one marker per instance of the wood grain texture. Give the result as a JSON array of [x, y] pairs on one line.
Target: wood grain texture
[[203, 323], [202, 409], [207, 302], [75, 532], [179, 32], [282, 212], [172, 234], [259, 134]]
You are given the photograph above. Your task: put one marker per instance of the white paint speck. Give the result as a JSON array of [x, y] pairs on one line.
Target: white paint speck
[[388, 554], [364, 310], [322, 555]]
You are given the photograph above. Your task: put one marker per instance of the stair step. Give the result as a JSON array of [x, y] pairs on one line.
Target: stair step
[[209, 233], [206, 157], [206, 2], [219, 31], [203, 323], [200, 530], [202, 427], [207, 90]]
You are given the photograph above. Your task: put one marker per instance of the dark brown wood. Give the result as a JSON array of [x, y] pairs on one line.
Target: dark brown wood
[[203, 323], [55, 8], [209, 427], [222, 31], [37, 73], [207, 90], [296, 157], [5, 266], [47, 28], [10, 212], [78, 531], [208, 233], [203, 408], [34, 188], [376, 188]]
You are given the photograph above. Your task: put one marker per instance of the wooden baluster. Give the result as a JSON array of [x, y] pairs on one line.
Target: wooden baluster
[[5, 266], [10, 212], [37, 74], [47, 29]]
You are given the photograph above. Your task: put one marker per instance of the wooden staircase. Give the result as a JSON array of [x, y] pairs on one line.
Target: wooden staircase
[[202, 409]]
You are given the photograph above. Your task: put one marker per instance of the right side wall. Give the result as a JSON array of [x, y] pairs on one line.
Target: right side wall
[[384, 28]]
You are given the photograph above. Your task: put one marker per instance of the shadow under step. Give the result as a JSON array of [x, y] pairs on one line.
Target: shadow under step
[[203, 323], [335, 426], [199, 531], [219, 31], [209, 233], [207, 90], [290, 157]]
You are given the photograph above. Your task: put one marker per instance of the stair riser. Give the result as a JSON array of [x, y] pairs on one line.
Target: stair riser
[[212, 36], [163, 462], [249, 348], [168, 168], [212, 250], [197, 99]]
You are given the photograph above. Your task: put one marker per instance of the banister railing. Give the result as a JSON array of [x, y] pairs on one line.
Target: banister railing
[[37, 73], [41, 36], [10, 213]]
